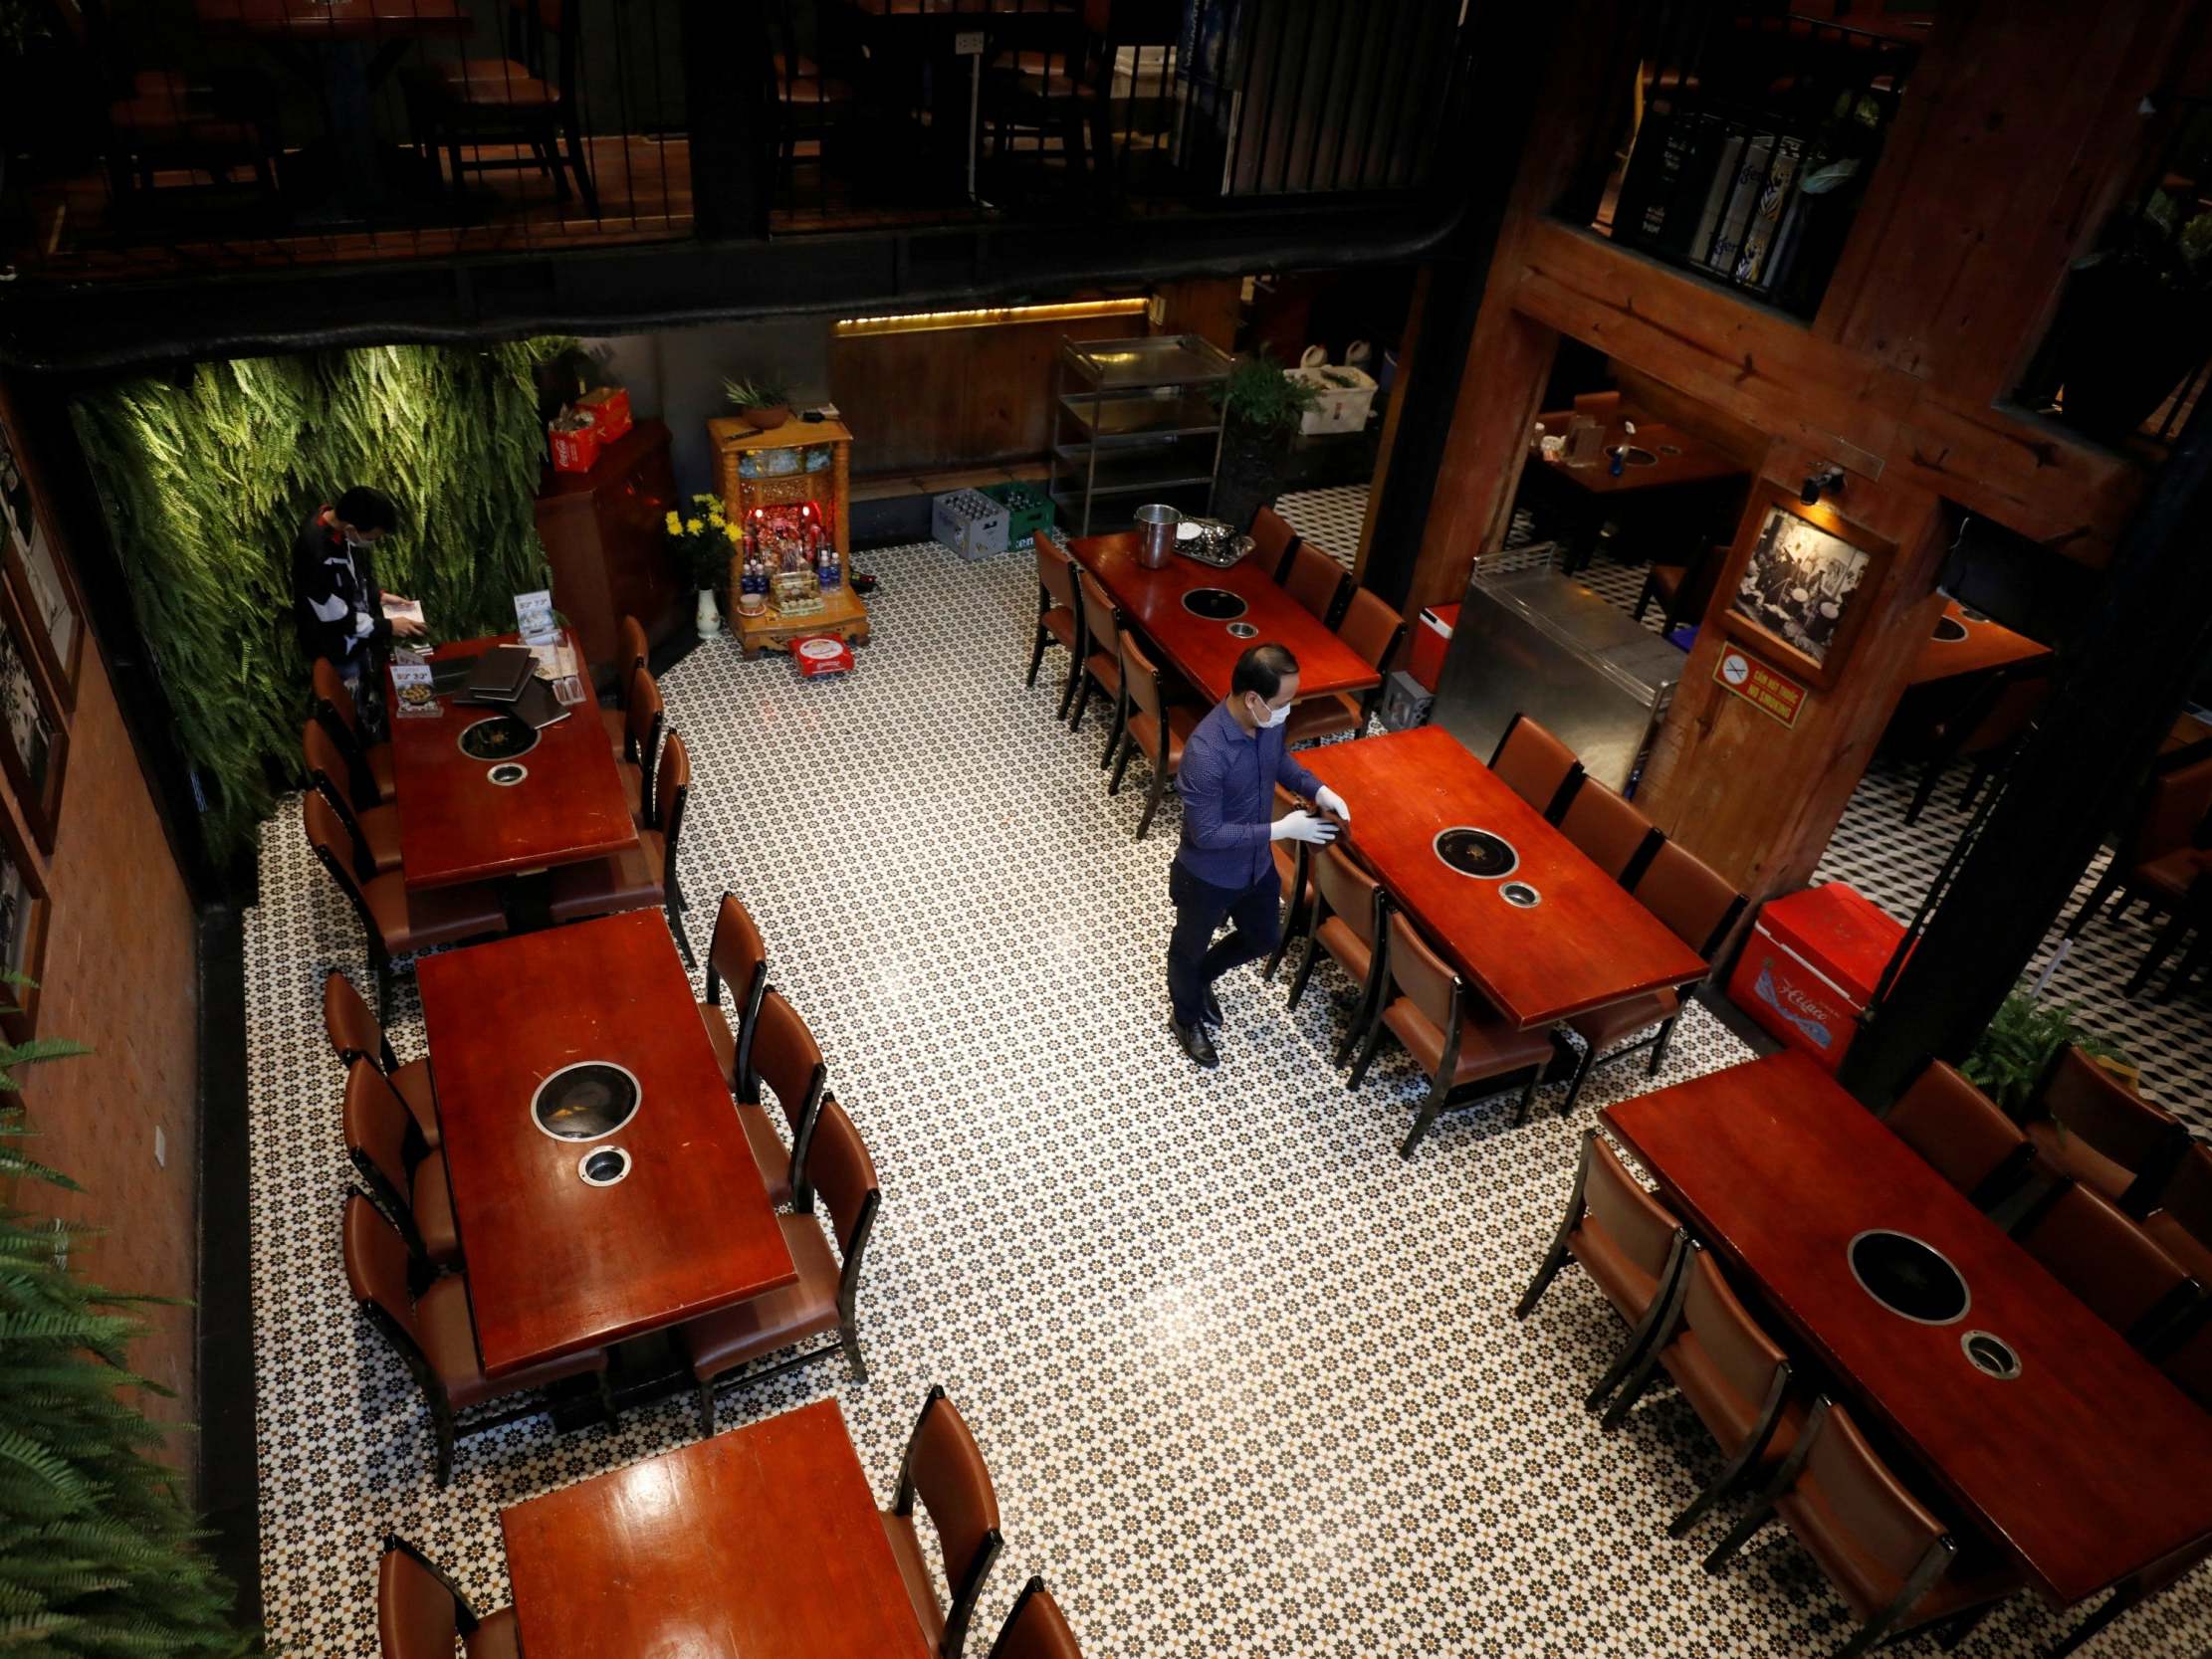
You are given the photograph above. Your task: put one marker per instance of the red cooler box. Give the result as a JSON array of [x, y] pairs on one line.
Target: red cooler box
[[1811, 965], [1432, 633]]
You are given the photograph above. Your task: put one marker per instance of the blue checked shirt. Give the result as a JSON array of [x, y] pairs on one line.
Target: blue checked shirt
[[1227, 783]]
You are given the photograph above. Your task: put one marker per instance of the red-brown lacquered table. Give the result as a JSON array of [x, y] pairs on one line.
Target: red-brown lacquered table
[[1971, 645], [1585, 942], [762, 1543], [556, 1265], [1201, 649], [2086, 1465], [458, 825]]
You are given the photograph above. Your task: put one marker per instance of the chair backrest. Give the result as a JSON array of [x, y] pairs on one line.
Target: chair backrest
[[2018, 700], [376, 1123], [839, 1168], [2174, 805], [1424, 977], [1633, 1222], [631, 651], [335, 850], [2120, 1125], [1101, 622], [2189, 1365], [1372, 629], [377, 1269], [1738, 1354], [1055, 572], [1957, 1129], [2109, 1264], [1681, 890], [1035, 1629], [643, 716], [790, 1061], [1611, 833], [2185, 1201], [945, 1469], [1885, 1530], [352, 1028], [1315, 580], [1535, 765], [330, 690], [1347, 889], [330, 768], [419, 1612], [737, 954], [1273, 542], [1140, 677], [671, 788]]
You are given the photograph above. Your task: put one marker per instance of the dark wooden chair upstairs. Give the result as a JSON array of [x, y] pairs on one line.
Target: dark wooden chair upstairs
[[1536, 766], [945, 1470], [395, 922], [371, 784], [1896, 1562], [1320, 586], [1035, 1628], [1373, 631], [645, 875], [1347, 920], [1630, 1244], [1151, 725], [2182, 1220], [519, 111], [1607, 831], [1458, 1041], [1683, 591], [1962, 1134], [1057, 619], [2114, 1268], [434, 1336], [1985, 731], [374, 830], [421, 1612], [1700, 908], [737, 956], [823, 1300], [1273, 542], [1101, 659], [356, 1035], [2091, 1125], [786, 1057], [2155, 857], [404, 1174]]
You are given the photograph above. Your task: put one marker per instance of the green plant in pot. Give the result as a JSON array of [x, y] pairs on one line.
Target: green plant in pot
[[1261, 409], [2010, 1059], [764, 401]]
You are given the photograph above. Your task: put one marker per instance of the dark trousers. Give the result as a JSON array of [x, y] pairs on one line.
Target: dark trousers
[[1194, 962]]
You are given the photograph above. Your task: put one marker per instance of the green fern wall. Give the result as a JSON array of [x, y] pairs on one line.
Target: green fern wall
[[207, 483]]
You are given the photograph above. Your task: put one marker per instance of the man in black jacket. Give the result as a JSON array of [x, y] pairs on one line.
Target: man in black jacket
[[336, 602]]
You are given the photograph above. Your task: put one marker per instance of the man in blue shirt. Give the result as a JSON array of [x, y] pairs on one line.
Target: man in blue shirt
[[1225, 869]]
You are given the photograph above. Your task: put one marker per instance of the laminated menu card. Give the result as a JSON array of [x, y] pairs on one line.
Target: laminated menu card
[[414, 694], [534, 617]]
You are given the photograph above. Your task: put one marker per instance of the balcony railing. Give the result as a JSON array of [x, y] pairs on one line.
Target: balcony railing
[[167, 136]]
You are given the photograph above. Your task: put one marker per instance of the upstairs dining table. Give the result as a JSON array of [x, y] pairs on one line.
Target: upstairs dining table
[[464, 818], [1583, 942], [567, 1247], [2086, 1466], [1203, 648], [1967, 642]]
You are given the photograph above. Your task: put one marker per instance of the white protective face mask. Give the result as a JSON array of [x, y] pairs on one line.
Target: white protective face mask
[[1273, 716]]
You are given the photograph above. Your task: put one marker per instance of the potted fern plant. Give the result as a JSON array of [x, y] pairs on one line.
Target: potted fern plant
[[1261, 405], [2010, 1058], [762, 401]]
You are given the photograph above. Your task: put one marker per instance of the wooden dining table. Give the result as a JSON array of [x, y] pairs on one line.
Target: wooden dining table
[[556, 1264], [458, 822], [762, 1543], [1203, 649], [1971, 643], [1659, 458], [2085, 1467], [1586, 942]]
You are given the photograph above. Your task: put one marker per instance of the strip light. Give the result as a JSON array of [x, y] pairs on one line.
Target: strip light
[[921, 323]]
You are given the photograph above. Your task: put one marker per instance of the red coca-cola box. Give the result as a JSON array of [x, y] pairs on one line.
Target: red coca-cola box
[[574, 452], [1811, 967], [1431, 634], [609, 409]]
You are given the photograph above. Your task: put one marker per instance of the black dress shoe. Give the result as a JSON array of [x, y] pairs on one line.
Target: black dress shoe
[[1213, 1014], [1196, 1044]]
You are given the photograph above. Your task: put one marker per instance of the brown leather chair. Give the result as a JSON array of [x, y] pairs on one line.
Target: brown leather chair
[[821, 1301], [1151, 725], [1607, 831], [1455, 1037], [644, 721], [374, 830], [1057, 616], [2155, 859], [1700, 908], [2112, 1267], [2090, 1124], [356, 1035], [736, 956], [1962, 1135], [1893, 1562], [395, 922], [1296, 879], [644, 876], [1035, 1628], [1536, 766], [1683, 591], [631, 652], [2182, 1221], [1734, 1376], [404, 1174], [420, 1611], [2188, 1364], [2130, 1593], [434, 1336], [371, 782], [1630, 1244], [944, 1468], [1320, 584], [1346, 921], [516, 111], [1273, 542], [1373, 631], [1985, 730], [784, 1056], [1101, 657]]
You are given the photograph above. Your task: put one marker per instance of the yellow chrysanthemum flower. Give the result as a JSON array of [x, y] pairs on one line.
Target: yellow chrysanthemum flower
[[734, 535], [690, 526], [675, 524]]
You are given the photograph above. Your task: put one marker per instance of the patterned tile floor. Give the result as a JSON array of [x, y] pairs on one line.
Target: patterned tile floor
[[1248, 1383]]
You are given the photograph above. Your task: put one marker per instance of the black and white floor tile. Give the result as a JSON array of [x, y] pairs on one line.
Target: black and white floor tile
[[1329, 518], [1248, 1383]]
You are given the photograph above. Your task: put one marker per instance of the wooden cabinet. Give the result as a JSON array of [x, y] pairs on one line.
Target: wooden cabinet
[[799, 461], [605, 535]]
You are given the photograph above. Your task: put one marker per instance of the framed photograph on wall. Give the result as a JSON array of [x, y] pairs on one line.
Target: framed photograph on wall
[[1796, 591], [34, 570], [33, 739], [22, 932]]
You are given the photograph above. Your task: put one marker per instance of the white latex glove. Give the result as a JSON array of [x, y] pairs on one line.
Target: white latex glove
[[1328, 800], [1302, 826]]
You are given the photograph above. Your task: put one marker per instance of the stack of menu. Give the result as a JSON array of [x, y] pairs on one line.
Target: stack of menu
[[1716, 193]]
